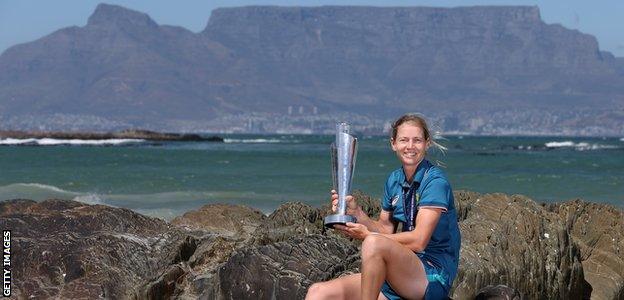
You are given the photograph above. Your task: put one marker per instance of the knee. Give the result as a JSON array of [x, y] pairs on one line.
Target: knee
[[316, 291], [374, 246]]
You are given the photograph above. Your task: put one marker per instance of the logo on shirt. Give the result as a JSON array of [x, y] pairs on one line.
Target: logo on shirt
[[395, 200]]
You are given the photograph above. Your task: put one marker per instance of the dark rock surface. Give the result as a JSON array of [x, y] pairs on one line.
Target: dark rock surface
[[599, 232], [125, 134], [224, 219], [512, 240], [499, 292], [288, 220], [123, 68], [67, 249], [284, 270]]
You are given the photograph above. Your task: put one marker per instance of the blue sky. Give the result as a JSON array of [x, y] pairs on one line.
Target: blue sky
[[26, 20]]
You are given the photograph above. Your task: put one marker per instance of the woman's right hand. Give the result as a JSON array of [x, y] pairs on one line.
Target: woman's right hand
[[352, 207]]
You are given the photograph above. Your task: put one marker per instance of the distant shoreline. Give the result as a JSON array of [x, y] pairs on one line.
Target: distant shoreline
[[125, 134], [217, 136], [444, 134]]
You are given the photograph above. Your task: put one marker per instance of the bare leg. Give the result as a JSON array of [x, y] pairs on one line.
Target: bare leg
[[383, 258], [345, 287]]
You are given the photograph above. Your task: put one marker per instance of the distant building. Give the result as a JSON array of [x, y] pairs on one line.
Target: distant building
[[255, 126]]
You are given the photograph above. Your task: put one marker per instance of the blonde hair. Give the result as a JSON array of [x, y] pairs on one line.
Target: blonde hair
[[419, 121]]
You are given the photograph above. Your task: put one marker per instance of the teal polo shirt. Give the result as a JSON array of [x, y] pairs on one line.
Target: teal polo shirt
[[430, 188]]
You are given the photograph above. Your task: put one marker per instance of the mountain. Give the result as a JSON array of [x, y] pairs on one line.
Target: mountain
[[251, 63]]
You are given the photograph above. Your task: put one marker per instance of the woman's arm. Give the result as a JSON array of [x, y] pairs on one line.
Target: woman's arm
[[416, 240], [383, 225]]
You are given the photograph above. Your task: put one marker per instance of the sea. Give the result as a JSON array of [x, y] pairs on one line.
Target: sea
[[166, 179]]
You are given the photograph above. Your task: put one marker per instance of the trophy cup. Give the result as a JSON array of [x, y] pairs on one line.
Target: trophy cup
[[343, 153]]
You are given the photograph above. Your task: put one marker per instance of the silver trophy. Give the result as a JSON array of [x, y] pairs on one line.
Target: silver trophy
[[343, 153]]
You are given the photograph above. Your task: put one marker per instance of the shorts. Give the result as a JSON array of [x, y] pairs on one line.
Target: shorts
[[437, 288]]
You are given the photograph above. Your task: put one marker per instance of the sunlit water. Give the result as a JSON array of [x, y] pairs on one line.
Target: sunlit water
[[167, 179]]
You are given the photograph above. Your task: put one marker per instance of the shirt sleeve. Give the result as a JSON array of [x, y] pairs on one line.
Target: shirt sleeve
[[436, 194], [386, 201]]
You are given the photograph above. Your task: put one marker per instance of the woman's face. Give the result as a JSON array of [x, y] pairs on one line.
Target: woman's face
[[410, 145]]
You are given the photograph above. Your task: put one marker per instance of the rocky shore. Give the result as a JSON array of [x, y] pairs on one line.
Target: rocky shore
[[67, 249], [125, 134]]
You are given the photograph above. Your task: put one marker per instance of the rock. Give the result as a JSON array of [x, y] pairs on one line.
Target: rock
[[166, 286], [125, 134], [464, 201], [499, 292], [511, 247], [284, 270], [192, 278], [67, 249], [217, 230], [512, 240], [289, 226], [223, 219], [158, 136], [598, 229], [288, 220]]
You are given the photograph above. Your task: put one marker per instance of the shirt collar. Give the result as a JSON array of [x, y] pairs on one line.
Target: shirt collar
[[418, 175]]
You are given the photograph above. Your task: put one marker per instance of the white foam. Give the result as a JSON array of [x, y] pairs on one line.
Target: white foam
[[599, 147], [42, 186], [34, 191], [560, 144], [90, 199], [54, 142], [581, 146], [10, 141]]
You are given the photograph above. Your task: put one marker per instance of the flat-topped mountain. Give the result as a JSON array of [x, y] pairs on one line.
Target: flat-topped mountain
[[122, 69]]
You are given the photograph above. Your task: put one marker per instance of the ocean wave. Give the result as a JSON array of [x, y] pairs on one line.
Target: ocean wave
[[528, 147], [78, 142], [164, 205], [34, 191], [560, 144], [580, 146], [256, 141], [90, 199]]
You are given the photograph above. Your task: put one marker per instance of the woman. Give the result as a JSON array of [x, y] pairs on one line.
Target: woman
[[420, 261]]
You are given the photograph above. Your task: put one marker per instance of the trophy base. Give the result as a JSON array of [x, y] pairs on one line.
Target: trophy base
[[337, 219]]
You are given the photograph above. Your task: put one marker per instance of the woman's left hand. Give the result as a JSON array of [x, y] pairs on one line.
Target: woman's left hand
[[354, 230]]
